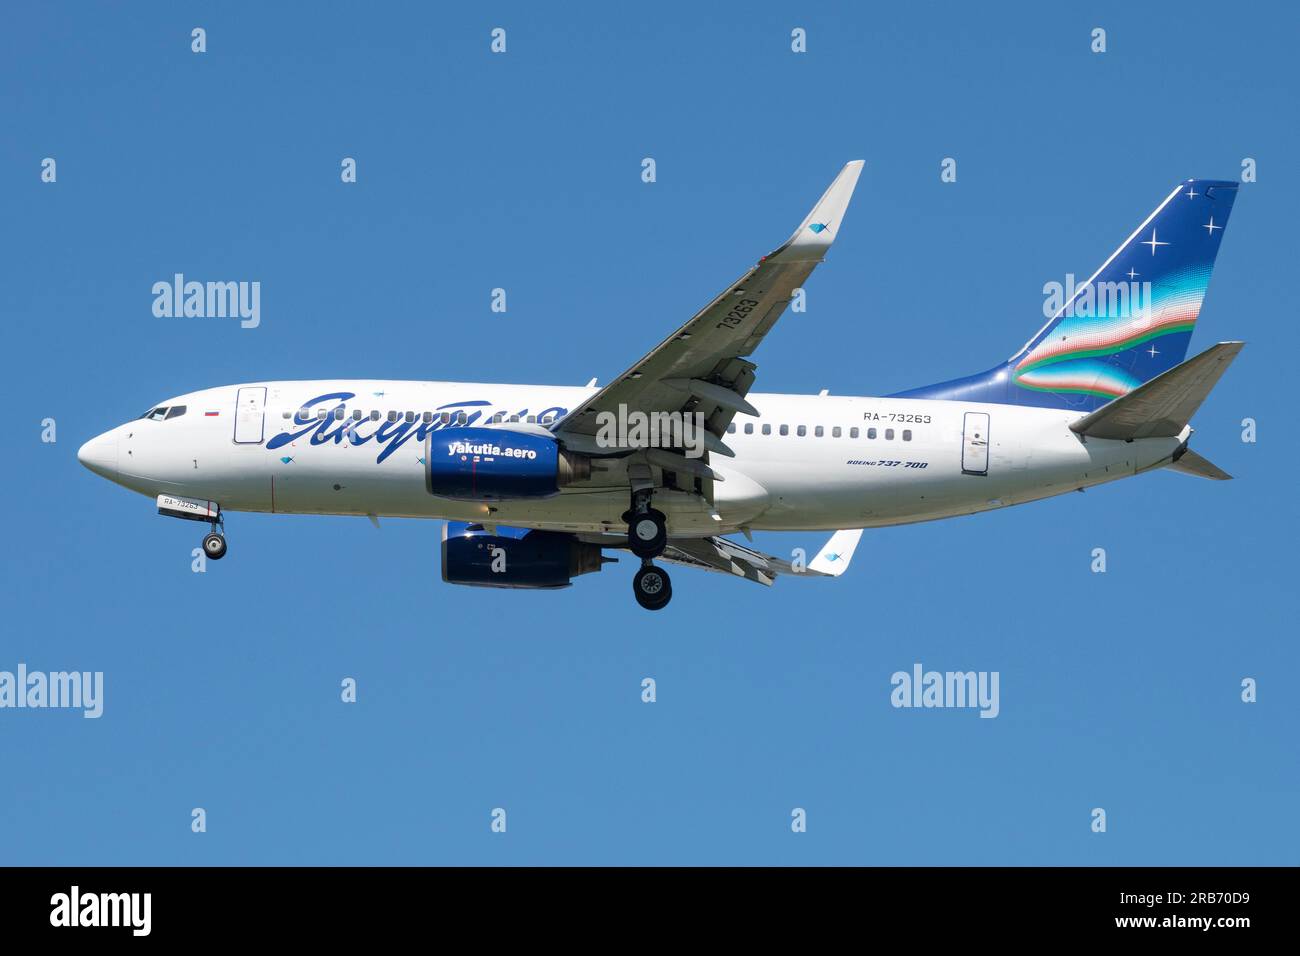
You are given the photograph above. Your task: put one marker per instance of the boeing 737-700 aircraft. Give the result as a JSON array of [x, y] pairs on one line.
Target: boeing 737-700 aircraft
[[534, 486]]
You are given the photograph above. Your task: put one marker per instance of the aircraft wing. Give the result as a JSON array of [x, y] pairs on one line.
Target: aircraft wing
[[731, 557], [701, 367]]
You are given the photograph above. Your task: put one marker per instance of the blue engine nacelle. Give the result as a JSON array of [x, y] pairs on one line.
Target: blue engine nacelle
[[514, 557], [483, 464]]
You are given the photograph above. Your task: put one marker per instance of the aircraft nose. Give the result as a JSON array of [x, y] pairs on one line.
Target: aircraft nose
[[100, 455]]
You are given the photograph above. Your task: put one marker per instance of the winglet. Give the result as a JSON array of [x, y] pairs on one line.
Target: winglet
[[834, 558], [819, 228]]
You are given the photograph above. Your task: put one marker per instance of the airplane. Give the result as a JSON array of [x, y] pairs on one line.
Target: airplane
[[534, 488]]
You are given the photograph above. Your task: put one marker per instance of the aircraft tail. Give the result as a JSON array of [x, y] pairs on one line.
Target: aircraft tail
[[1127, 324]]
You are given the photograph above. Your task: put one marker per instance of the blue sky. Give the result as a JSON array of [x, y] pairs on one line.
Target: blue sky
[[522, 171]]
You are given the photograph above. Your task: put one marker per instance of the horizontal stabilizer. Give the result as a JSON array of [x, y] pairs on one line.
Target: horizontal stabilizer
[[1162, 407], [1193, 464]]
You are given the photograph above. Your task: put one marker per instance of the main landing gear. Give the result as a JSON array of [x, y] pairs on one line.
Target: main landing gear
[[652, 587], [647, 536], [647, 529], [214, 542]]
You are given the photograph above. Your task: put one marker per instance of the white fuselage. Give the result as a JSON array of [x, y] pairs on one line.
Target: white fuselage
[[840, 463]]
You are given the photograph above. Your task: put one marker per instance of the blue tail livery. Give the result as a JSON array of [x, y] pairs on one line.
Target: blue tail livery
[[1128, 323]]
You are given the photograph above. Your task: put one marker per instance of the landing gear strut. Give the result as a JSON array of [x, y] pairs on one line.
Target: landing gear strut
[[647, 536], [647, 529], [652, 587], [214, 542]]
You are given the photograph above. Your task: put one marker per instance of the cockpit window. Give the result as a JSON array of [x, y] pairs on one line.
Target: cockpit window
[[164, 411]]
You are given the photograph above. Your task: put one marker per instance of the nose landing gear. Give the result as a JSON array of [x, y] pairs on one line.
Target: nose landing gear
[[214, 542]]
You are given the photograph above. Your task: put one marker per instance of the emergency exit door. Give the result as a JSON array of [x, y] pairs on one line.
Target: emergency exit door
[[975, 444], [250, 408]]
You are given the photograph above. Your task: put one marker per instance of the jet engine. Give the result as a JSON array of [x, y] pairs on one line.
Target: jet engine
[[483, 464], [514, 557]]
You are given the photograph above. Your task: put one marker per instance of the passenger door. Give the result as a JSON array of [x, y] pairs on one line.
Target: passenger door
[[975, 444], [250, 407]]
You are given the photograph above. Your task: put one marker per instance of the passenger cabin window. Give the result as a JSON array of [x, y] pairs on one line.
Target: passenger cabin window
[[410, 417], [853, 432], [374, 415], [818, 432], [445, 418], [785, 429], [176, 411], [889, 434], [339, 413], [320, 414], [392, 416], [461, 418], [907, 434], [532, 419], [287, 413], [836, 431], [427, 417], [802, 431], [749, 428], [871, 433], [767, 429], [731, 429]]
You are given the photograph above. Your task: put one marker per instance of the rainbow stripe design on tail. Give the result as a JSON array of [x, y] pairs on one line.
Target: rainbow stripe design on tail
[[1129, 322]]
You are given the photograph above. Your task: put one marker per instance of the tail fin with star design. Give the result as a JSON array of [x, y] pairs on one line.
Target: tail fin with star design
[[1131, 321]]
